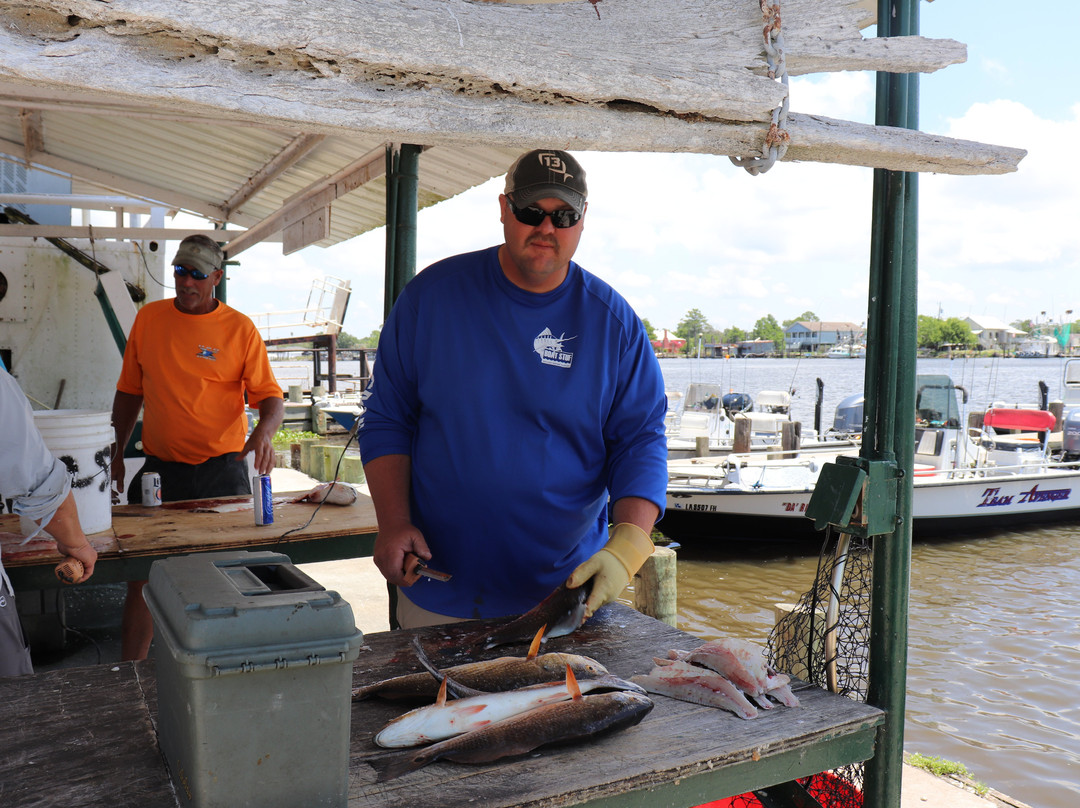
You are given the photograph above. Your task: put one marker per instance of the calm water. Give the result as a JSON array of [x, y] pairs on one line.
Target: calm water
[[994, 658]]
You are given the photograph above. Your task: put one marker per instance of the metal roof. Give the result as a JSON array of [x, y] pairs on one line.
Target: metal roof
[[206, 165]]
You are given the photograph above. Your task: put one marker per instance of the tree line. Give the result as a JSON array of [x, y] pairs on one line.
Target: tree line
[[932, 333]]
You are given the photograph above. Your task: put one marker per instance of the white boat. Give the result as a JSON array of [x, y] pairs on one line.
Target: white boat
[[763, 424], [847, 350], [965, 480]]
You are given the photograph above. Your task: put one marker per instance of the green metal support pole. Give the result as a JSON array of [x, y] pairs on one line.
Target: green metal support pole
[[407, 191], [890, 396], [391, 230]]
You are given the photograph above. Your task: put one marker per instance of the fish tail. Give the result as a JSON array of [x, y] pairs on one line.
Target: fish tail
[[395, 764]]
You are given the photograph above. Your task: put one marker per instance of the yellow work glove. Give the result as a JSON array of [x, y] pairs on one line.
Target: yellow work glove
[[612, 568]]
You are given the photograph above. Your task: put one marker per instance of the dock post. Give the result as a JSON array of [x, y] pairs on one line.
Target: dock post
[[655, 587], [331, 455], [352, 469], [307, 446], [701, 446], [741, 442]]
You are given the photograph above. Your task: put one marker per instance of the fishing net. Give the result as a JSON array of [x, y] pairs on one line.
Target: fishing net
[[825, 640]]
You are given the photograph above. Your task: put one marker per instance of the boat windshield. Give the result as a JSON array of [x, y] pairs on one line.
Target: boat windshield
[[937, 402]]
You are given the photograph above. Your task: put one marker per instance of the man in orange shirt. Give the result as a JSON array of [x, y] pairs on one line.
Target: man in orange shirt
[[189, 363]]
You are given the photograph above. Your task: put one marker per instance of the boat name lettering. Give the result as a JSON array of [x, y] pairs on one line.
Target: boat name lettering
[[1035, 495], [794, 507], [993, 497]]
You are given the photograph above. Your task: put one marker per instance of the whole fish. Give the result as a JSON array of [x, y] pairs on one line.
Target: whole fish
[[681, 680], [573, 720], [489, 676], [445, 719], [558, 614]]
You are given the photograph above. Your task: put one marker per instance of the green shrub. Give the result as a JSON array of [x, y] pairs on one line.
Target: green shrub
[[285, 437]]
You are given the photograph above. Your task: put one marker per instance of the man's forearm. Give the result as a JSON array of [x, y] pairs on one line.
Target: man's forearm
[[125, 412], [271, 414], [388, 480], [636, 511]]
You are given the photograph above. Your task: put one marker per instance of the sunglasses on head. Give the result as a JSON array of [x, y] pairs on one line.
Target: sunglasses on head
[[180, 272], [534, 216]]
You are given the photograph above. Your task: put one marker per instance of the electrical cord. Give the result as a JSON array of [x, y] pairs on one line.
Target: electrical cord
[[333, 483]]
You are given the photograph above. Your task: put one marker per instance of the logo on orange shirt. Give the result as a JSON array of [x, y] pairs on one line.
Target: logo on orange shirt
[[206, 352]]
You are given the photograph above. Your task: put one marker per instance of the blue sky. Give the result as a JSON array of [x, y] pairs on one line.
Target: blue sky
[[676, 232]]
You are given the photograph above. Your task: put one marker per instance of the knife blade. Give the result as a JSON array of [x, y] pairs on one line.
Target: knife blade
[[414, 568]]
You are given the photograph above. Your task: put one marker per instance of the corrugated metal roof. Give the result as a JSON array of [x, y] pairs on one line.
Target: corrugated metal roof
[[198, 163]]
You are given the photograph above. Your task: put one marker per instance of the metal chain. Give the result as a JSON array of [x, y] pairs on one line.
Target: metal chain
[[777, 138]]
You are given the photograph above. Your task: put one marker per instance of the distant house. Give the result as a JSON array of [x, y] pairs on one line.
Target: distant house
[[668, 344], [755, 347], [995, 335], [818, 335]]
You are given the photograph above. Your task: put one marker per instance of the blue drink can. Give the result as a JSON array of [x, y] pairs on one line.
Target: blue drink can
[[264, 499]]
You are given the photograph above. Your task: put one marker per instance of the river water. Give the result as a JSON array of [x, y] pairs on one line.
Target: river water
[[994, 638]]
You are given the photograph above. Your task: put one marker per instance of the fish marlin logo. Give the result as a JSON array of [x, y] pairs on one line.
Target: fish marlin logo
[[551, 350], [206, 352]]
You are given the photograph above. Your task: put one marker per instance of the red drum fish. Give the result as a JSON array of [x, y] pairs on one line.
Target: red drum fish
[[580, 718], [557, 615], [445, 719], [489, 676]]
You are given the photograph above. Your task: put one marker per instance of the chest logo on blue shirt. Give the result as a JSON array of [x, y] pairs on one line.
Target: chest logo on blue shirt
[[551, 350], [205, 352]]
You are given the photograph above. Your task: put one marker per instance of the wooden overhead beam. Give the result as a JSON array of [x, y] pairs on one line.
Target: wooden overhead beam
[[671, 76], [32, 132], [316, 196], [281, 162], [126, 233]]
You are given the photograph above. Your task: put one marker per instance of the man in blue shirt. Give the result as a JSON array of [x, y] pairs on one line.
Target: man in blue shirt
[[514, 396]]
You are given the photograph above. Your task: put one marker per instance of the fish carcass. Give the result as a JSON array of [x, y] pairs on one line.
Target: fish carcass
[[580, 718], [729, 674], [448, 718], [557, 615]]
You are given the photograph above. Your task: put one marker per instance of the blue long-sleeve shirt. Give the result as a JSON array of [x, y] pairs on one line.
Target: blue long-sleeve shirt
[[522, 414]]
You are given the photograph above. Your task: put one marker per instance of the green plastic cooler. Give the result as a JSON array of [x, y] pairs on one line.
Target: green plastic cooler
[[254, 675]]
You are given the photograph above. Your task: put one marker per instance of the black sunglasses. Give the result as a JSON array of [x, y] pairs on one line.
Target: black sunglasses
[[180, 272], [534, 216]]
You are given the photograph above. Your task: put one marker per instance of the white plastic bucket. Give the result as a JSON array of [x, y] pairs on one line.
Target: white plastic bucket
[[82, 439]]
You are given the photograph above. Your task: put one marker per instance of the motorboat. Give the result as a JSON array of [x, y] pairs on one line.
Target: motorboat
[[965, 479], [704, 420], [847, 350]]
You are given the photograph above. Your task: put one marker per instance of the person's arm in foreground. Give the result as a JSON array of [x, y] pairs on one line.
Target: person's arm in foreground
[[388, 482], [261, 440], [70, 539], [628, 546]]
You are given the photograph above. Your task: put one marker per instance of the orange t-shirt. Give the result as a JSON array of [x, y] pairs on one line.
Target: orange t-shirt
[[192, 371]]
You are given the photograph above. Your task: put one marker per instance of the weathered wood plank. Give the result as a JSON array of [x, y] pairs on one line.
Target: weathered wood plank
[[647, 76], [64, 744]]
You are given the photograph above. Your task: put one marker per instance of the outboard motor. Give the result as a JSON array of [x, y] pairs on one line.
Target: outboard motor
[[1070, 436], [737, 402], [849, 415]]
